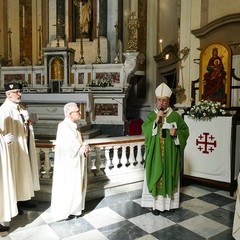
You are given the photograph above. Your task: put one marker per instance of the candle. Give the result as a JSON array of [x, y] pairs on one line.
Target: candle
[[98, 11], [81, 41], [116, 26], [23, 17], [98, 37], [160, 44], [9, 20]]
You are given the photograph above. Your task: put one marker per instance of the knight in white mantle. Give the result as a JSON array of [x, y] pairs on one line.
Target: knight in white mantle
[[22, 151]]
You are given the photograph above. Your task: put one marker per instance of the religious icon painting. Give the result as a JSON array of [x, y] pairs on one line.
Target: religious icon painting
[[215, 73]]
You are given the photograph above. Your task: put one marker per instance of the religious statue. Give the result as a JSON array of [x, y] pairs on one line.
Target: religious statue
[[215, 78], [86, 15]]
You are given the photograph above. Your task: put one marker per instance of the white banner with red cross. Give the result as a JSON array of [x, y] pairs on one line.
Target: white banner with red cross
[[208, 151]]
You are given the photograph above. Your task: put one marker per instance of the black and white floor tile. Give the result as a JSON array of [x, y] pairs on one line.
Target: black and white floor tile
[[205, 213]]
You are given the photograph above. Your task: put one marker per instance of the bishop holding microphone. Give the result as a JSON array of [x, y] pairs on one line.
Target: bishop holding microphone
[[166, 136]]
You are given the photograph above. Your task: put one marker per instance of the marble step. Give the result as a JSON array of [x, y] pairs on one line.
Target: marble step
[[50, 134], [98, 185], [91, 133]]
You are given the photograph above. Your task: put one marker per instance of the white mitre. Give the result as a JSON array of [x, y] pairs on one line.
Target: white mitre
[[163, 91]]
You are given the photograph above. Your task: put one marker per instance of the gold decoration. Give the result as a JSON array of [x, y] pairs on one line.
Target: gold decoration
[[132, 25], [179, 90]]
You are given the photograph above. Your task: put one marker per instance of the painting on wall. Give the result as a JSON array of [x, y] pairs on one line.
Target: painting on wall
[[80, 78], [38, 79], [215, 73], [13, 77], [106, 109]]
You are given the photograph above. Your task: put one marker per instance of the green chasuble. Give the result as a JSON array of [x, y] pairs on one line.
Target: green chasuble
[[163, 156]]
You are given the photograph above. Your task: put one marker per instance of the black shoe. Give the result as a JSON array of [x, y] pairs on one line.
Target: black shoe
[[155, 212], [26, 204], [4, 228], [70, 217], [20, 211]]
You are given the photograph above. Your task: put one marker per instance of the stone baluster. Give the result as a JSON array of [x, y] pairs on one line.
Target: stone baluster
[[102, 160], [115, 159], [109, 163], [139, 157], [99, 162], [132, 160], [91, 168], [47, 162], [51, 155], [42, 160], [124, 159]]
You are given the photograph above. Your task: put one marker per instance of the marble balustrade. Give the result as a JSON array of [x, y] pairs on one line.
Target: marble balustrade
[[108, 157]]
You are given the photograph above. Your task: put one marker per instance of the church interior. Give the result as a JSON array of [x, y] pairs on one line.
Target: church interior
[[109, 56]]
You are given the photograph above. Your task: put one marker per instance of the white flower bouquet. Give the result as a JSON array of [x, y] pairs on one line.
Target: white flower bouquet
[[205, 110]]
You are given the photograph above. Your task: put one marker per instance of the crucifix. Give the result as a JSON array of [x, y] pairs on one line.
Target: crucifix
[[59, 31]]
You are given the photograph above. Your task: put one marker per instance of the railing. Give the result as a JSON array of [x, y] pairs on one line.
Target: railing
[[108, 156]]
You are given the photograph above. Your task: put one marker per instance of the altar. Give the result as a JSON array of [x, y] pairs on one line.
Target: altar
[[82, 98], [208, 154]]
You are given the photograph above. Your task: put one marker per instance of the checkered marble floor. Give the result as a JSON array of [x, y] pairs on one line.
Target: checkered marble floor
[[205, 213]]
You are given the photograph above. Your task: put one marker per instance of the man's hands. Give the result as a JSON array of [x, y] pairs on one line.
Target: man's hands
[[8, 138], [159, 116], [86, 151], [173, 131]]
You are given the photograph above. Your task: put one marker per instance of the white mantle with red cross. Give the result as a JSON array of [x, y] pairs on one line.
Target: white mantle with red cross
[[208, 151]]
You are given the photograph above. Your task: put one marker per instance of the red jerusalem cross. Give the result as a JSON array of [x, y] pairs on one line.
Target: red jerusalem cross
[[206, 143]]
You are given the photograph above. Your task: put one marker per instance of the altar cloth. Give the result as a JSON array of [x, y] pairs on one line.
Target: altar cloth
[[208, 151]]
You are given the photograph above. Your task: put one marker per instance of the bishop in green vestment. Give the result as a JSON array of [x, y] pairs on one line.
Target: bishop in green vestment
[[166, 136]]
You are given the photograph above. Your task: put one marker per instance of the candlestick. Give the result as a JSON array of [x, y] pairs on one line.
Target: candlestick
[[10, 62], [40, 62], [160, 44], [81, 61], [116, 59], [98, 59]]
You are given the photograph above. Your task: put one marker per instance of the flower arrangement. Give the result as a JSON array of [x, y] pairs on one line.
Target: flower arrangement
[[22, 82], [206, 110], [100, 83]]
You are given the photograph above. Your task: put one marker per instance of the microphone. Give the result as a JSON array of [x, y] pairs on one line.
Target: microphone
[[160, 121], [160, 118]]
